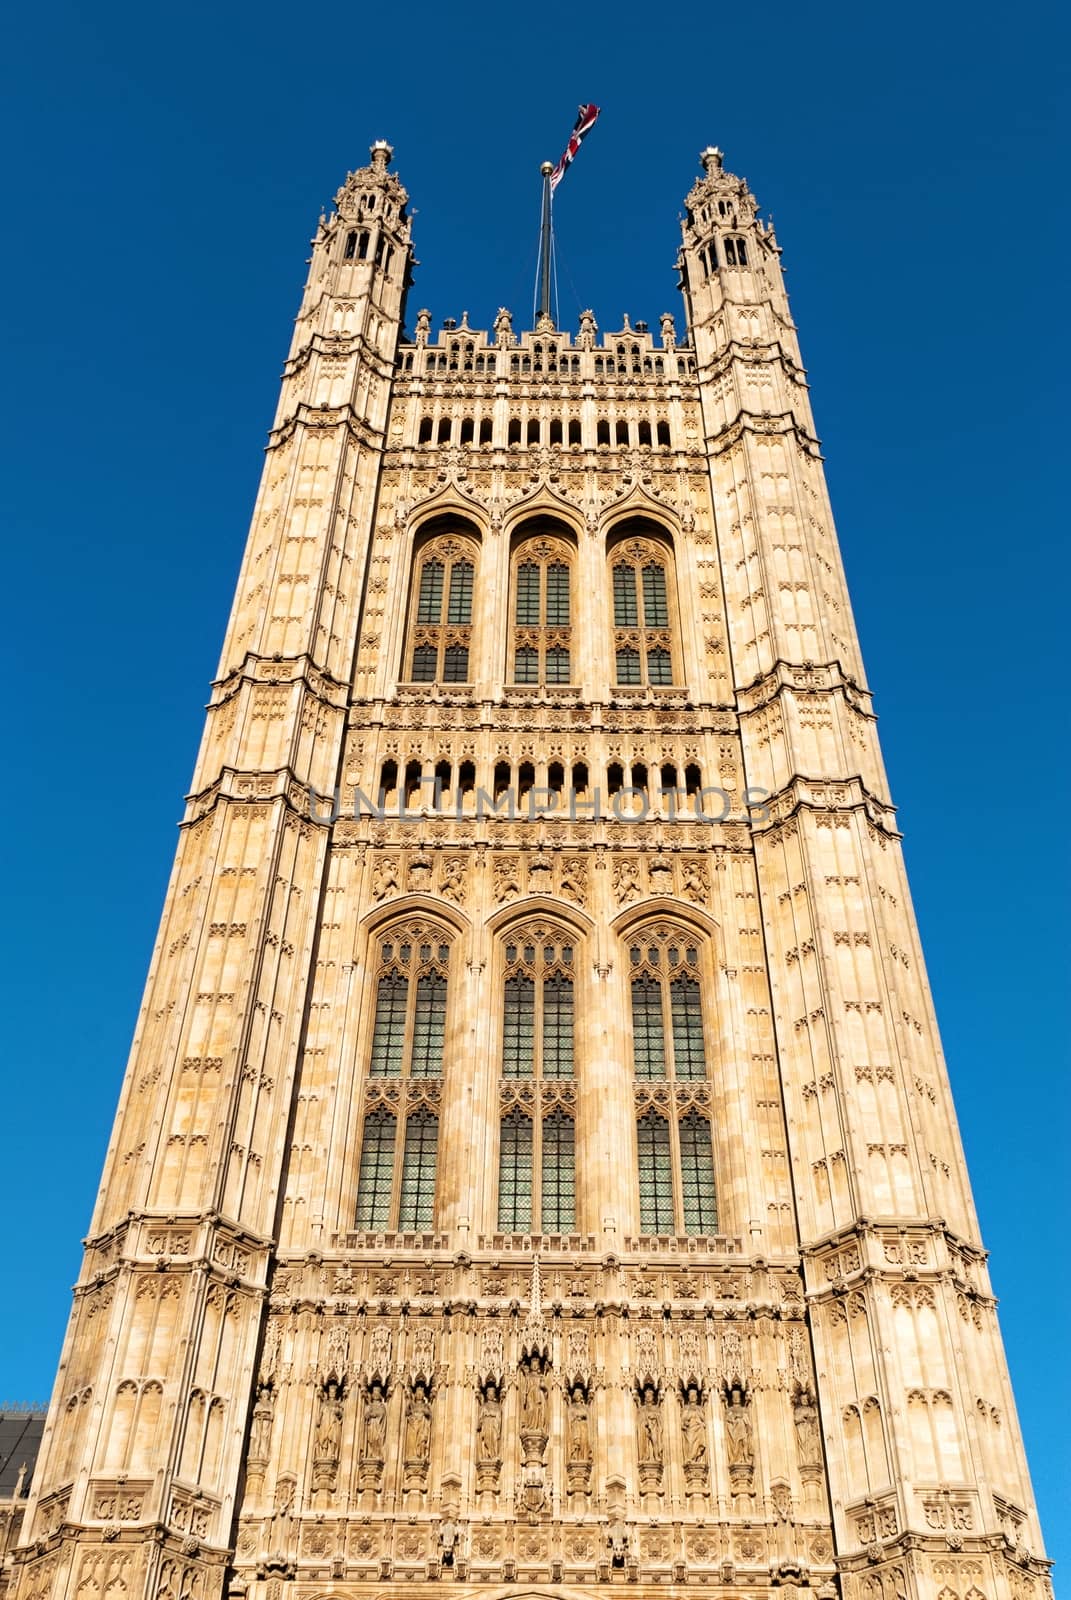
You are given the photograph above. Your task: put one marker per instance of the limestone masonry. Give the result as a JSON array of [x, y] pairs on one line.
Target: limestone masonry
[[536, 1167]]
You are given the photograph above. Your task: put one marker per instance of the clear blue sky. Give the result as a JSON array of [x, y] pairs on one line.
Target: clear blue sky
[[164, 169]]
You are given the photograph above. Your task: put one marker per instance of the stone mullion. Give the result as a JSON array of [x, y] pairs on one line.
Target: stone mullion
[[609, 1096], [462, 1126]]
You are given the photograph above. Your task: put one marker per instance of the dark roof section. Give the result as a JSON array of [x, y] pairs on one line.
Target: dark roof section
[[20, 1440]]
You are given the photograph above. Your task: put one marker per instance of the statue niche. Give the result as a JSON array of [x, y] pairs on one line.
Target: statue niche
[[578, 1441], [371, 1453], [489, 1436], [694, 1448], [739, 1440], [650, 1447], [416, 1440], [534, 1409], [328, 1440]]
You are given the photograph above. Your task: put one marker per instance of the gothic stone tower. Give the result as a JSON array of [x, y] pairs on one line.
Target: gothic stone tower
[[536, 1165]]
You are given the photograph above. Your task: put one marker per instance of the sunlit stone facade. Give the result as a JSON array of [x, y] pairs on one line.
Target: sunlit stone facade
[[536, 1167]]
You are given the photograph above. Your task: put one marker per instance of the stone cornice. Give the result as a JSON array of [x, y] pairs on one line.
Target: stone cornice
[[808, 677], [825, 795], [326, 418], [280, 671], [772, 354], [749, 422]]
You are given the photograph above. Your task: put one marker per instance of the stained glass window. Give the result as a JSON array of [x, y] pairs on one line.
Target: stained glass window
[[656, 1174], [441, 616], [542, 574], [515, 1173], [697, 1175], [417, 1202], [376, 1174], [559, 1173]]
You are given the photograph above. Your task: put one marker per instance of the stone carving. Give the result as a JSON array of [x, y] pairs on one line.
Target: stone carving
[[578, 1442], [416, 1446], [694, 1440], [808, 1437], [422, 1354], [647, 1365], [695, 885], [506, 879], [379, 1347], [384, 877], [492, 1354], [574, 879], [337, 1358], [690, 1356], [489, 1437], [576, 1363], [650, 1443], [260, 1431], [739, 1440], [373, 1436], [534, 1399], [452, 879], [281, 1517], [328, 1440], [626, 881]]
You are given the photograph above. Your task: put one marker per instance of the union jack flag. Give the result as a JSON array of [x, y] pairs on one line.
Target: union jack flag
[[584, 124]]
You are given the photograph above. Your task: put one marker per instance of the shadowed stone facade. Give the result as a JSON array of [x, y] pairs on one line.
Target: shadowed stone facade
[[536, 1166]]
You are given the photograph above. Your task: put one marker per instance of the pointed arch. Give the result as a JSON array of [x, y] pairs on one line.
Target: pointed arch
[[669, 960], [537, 970], [445, 562], [407, 969], [646, 620], [542, 603]]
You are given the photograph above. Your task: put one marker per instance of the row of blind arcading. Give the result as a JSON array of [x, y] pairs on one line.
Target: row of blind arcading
[[538, 1154], [536, 431]]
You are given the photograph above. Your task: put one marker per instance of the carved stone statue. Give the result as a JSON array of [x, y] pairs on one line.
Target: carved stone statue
[[374, 1426], [694, 1431], [329, 1425], [489, 1427], [263, 1416], [808, 1438], [739, 1442], [534, 1405], [650, 1429], [417, 1424], [579, 1428]]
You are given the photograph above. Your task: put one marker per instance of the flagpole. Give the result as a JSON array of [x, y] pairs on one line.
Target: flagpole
[[544, 247]]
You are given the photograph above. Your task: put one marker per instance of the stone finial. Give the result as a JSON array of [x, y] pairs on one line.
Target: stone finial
[[503, 327], [711, 159], [382, 154]]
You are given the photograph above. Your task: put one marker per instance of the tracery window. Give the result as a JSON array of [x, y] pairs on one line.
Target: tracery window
[[399, 1142], [541, 611], [440, 611], [537, 1144], [641, 572], [674, 1141]]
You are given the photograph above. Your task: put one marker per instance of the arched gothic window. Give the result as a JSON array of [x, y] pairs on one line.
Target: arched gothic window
[[537, 1144], [673, 1130], [440, 610], [396, 1176], [541, 611], [644, 625]]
